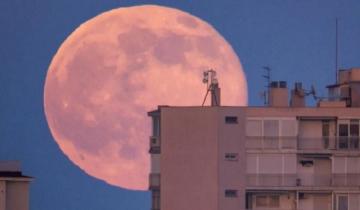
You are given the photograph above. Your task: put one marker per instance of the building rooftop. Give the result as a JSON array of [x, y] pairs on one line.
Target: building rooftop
[[11, 169]]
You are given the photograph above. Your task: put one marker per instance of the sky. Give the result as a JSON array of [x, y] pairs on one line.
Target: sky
[[296, 38]]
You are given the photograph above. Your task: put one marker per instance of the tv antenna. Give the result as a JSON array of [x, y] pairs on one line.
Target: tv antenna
[[267, 77], [302, 92], [212, 85], [336, 49]]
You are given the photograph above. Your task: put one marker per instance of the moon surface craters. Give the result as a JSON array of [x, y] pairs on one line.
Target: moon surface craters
[[115, 68]]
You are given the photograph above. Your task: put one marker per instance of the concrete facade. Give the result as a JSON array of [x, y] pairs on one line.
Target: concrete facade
[[277, 157], [14, 187]]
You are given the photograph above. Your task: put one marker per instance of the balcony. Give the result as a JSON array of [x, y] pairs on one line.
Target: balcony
[[293, 180], [154, 181], [271, 143], [339, 180], [154, 145], [301, 143], [271, 180], [329, 143]]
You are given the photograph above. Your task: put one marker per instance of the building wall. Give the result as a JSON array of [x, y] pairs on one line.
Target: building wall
[[2, 195], [189, 159], [17, 195], [195, 173], [232, 173]]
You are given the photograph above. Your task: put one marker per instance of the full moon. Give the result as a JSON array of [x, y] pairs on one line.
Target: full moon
[[119, 65]]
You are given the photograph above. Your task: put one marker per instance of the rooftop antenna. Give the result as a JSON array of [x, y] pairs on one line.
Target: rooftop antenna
[[267, 76], [212, 85], [336, 49]]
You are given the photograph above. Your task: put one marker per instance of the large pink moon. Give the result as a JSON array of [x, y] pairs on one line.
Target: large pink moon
[[121, 64]]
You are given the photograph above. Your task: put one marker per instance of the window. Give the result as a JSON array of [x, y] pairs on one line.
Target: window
[[261, 201], [339, 165], [254, 128], [285, 127], [325, 128], [271, 128], [268, 201], [343, 130], [288, 128], [307, 163], [354, 134], [274, 201], [155, 195], [231, 120], [155, 125], [231, 156], [349, 133], [342, 202], [326, 133], [354, 128], [343, 134], [231, 193]]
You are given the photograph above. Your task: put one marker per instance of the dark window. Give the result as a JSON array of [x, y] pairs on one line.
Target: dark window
[[343, 202], [307, 163], [326, 133], [231, 193], [354, 128], [249, 201], [325, 128], [343, 130], [354, 134], [156, 126], [231, 120], [343, 136], [155, 199], [231, 156]]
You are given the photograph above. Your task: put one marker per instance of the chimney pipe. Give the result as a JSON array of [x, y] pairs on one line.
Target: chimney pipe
[[278, 94]]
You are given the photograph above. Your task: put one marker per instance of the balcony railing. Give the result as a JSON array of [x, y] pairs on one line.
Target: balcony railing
[[346, 179], [292, 180], [271, 143], [280, 208], [329, 143], [304, 143], [271, 180], [274, 208]]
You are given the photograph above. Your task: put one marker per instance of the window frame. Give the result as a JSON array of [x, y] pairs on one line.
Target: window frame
[[280, 127], [348, 141]]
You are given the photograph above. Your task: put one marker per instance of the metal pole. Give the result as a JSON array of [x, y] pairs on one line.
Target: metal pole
[[336, 50]]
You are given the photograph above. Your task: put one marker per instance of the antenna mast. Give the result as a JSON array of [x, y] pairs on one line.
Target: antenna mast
[[212, 85], [336, 50], [267, 76]]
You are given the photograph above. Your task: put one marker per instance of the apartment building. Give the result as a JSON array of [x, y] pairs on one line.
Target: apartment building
[[283, 156], [14, 187]]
